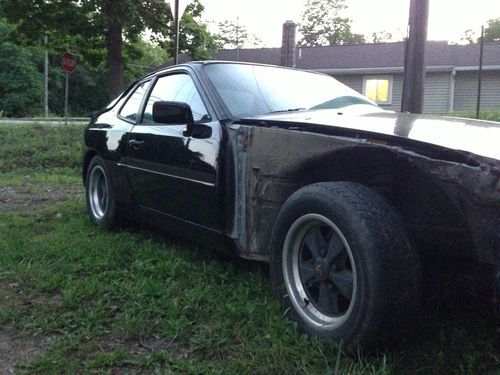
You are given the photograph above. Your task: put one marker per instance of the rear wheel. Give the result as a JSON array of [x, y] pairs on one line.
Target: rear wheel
[[101, 204], [342, 265]]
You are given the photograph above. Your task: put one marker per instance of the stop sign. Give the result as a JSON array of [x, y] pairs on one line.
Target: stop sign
[[68, 62]]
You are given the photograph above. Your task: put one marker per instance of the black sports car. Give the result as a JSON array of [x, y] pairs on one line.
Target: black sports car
[[346, 201]]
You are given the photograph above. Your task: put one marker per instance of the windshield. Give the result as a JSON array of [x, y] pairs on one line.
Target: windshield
[[251, 90]]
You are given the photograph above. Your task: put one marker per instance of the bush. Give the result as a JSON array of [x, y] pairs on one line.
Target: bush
[[20, 82]]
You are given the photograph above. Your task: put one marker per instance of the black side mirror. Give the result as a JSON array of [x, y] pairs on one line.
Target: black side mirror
[[174, 113]]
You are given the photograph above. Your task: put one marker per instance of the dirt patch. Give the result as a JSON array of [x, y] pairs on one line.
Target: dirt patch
[[26, 198], [15, 348], [144, 345], [13, 294]]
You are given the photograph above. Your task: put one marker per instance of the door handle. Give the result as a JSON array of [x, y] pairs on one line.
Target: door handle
[[135, 143]]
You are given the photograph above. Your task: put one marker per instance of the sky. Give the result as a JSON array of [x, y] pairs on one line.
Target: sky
[[448, 19]]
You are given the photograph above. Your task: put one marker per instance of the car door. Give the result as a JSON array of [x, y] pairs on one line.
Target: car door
[[171, 173]]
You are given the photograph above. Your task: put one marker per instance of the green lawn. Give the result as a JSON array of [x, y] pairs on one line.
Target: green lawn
[[484, 115], [84, 300]]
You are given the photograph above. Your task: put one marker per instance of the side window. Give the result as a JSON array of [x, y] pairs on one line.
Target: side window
[[378, 89], [176, 88], [131, 108]]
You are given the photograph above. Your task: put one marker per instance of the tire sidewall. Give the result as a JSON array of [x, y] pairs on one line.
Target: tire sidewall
[[363, 316], [108, 220]]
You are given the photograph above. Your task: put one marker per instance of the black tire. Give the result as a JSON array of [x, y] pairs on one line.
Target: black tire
[[342, 265], [101, 203]]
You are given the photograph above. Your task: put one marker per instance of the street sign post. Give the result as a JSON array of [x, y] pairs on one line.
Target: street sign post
[[68, 63], [177, 8], [46, 79]]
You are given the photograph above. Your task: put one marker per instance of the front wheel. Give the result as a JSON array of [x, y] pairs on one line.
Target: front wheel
[[342, 265], [101, 204]]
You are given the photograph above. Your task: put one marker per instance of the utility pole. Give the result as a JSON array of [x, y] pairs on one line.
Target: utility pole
[[237, 38], [177, 7], [176, 25], [46, 81], [66, 95], [414, 73], [480, 74]]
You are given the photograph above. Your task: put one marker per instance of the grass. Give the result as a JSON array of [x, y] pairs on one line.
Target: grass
[[123, 289], [484, 115], [40, 148], [40, 155], [131, 300]]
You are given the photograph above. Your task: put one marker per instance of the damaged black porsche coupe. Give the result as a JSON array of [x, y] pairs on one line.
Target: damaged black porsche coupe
[[343, 199]]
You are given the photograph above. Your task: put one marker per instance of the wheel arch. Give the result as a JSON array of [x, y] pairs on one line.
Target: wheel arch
[[431, 213], [89, 154]]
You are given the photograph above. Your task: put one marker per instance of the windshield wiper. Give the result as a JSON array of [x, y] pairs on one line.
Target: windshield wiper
[[289, 110]]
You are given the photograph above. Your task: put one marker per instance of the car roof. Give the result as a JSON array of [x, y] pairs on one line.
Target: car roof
[[199, 63]]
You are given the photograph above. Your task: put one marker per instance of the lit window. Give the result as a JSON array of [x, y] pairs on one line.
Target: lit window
[[378, 89]]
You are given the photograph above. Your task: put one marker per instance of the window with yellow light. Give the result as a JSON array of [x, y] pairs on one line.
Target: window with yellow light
[[378, 89]]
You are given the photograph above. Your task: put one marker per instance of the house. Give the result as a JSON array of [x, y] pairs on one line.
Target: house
[[376, 70]]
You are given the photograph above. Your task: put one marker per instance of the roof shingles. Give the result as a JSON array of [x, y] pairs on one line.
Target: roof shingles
[[368, 56]]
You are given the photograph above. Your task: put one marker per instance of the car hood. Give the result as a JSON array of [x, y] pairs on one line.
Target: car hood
[[475, 136]]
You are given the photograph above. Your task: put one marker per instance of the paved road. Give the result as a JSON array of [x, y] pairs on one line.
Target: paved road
[[41, 121]]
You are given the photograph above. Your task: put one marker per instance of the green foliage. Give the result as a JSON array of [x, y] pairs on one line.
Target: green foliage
[[21, 76], [143, 56], [323, 24], [22, 51], [20, 81], [469, 37], [232, 35], [195, 40], [87, 87], [85, 28], [492, 31], [484, 115], [381, 37]]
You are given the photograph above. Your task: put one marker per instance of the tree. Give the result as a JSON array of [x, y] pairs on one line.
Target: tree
[[381, 37], [232, 35], [323, 24], [195, 40], [469, 37], [94, 26], [20, 80], [144, 56], [492, 31]]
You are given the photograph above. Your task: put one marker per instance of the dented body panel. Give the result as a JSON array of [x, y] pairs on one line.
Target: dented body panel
[[276, 155]]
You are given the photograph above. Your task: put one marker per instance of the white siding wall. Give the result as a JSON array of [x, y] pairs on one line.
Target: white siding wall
[[355, 82], [466, 91], [397, 93], [437, 88], [436, 92]]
